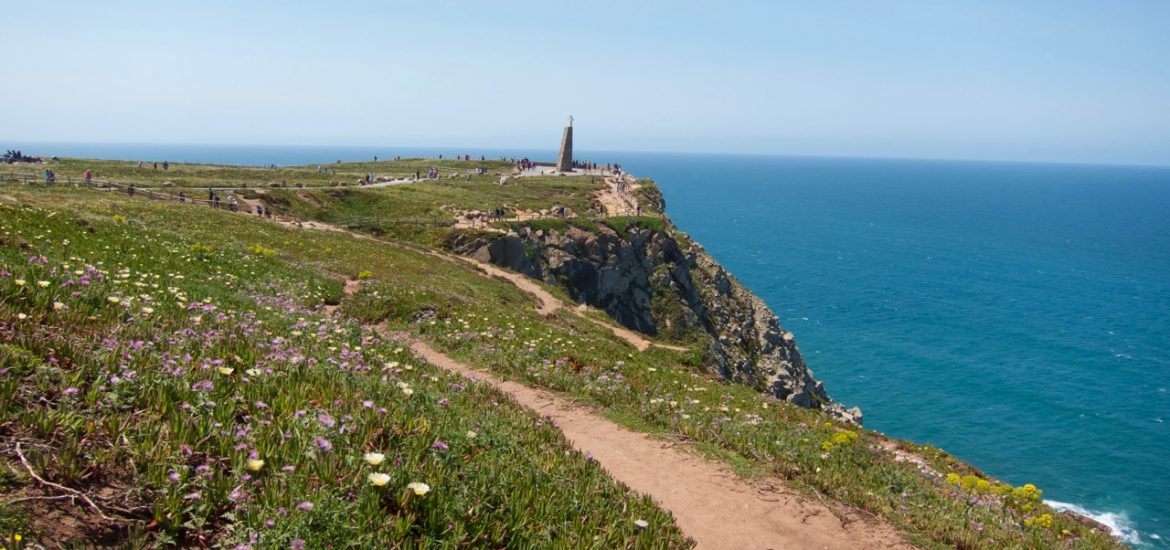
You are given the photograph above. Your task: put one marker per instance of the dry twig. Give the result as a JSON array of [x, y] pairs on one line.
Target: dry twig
[[47, 483]]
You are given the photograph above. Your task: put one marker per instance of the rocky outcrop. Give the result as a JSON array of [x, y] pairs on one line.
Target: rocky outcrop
[[659, 283]]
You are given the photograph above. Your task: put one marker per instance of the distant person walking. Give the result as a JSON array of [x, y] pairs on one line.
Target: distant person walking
[[166, 165], [130, 190], [182, 196], [88, 178]]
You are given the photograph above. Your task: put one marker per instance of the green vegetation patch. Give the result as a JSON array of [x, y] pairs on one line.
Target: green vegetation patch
[[180, 363], [272, 312], [624, 224]]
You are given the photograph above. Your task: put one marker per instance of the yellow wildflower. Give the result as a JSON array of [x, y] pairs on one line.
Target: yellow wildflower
[[419, 488], [378, 480], [1043, 521]]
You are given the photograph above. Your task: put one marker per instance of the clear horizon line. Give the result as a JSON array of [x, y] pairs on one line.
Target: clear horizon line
[[643, 151]]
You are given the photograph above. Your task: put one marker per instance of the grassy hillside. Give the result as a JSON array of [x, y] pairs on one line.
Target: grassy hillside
[[178, 365], [204, 175], [151, 349]]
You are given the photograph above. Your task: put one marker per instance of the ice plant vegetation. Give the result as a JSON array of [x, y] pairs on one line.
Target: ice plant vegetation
[[190, 382], [252, 349]]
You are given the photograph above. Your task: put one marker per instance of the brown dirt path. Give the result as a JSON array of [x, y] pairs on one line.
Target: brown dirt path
[[710, 503], [614, 202], [549, 304]]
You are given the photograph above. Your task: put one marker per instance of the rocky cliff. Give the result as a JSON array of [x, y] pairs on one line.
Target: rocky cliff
[[655, 280]]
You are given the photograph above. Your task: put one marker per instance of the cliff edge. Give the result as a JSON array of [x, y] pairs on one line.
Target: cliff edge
[[652, 278]]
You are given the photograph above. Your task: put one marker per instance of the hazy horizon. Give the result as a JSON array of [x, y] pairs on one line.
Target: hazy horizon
[[1068, 82], [34, 148]]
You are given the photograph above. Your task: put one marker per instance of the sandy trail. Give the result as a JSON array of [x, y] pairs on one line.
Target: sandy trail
[[617, 203], [550, 304], [709, 502]]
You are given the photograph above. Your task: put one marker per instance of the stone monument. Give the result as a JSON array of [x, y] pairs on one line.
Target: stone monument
[[565, 159]]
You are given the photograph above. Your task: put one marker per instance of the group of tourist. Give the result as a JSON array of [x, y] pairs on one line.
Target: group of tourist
[[213, 199], [166, 165]]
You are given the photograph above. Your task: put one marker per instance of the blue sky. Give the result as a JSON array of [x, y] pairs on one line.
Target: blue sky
[[1053, 81]]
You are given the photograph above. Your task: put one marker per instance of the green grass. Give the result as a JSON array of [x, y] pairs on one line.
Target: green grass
[[478, 319], [205, 175], [184, 348], [623, 224]]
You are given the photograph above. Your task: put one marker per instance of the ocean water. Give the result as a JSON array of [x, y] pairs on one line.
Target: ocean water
[[1016, 315]]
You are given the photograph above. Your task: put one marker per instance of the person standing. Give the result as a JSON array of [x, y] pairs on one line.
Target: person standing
[[88, 178], [166, 165]]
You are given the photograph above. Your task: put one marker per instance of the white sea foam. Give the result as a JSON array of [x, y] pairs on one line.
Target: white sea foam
[[1118, 523]]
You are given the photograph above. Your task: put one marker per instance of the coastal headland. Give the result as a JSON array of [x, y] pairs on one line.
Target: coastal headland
[[427, 352]]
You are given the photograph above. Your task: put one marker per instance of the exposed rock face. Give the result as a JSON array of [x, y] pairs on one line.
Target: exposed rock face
[[651, 282]]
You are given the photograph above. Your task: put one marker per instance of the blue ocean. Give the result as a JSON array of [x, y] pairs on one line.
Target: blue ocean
[[1016, 315]]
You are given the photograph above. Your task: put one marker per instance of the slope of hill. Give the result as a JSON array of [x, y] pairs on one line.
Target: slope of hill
[[175, 374]]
